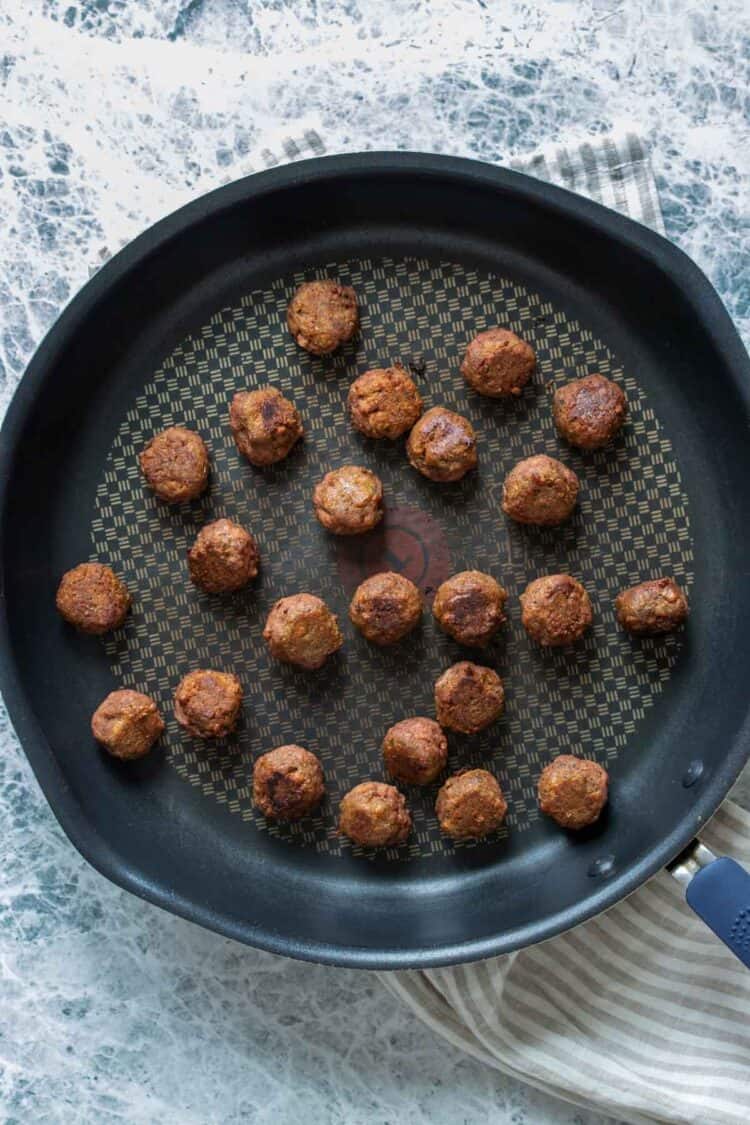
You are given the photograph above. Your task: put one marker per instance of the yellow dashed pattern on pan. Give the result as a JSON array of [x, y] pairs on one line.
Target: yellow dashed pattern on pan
[[631, 524]]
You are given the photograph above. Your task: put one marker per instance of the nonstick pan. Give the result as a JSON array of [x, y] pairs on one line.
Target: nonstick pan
[[437, 250]]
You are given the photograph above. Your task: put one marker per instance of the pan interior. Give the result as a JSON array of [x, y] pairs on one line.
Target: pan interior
[[632, 523]]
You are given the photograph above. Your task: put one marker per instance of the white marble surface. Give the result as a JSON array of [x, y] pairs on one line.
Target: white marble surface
[[111, 114]]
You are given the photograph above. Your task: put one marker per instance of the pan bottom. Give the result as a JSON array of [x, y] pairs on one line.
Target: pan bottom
[[632, 523]]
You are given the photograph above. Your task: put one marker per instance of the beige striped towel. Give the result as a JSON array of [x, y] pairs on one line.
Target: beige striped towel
[[641, 1013]]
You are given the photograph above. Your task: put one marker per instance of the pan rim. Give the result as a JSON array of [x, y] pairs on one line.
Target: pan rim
[[658, 253]]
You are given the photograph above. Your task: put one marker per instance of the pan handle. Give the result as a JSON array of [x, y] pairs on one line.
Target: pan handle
[[718, 890]]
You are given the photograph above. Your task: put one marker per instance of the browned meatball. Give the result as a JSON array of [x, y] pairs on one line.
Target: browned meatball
[[589, 412], [540, 490], [175, 465], [555, 610], [470, 805], [384, 402], [207, 704], [92, 597], [127, 724], [349, 500], [573, 791], [654, 607], [415, 751], [469, 607], [266, 426], [302, 630], [498, 363], [386, 607], [223, 558], [323, 315], [469, 697], [375, 815], [443, 445], [288, 783]]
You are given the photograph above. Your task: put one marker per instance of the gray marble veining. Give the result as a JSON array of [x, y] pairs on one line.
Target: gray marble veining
[[112, 114]]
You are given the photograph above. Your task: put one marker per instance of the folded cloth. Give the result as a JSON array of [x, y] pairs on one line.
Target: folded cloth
[[613, 170], [640, 1013]]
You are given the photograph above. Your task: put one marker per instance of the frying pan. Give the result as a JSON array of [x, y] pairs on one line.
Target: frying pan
[[193, 310]]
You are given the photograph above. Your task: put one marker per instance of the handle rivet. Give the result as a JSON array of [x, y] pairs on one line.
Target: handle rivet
[[603, 866], [693, 773]]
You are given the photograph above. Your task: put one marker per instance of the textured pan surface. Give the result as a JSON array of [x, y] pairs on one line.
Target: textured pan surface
[[632, 523], [165, 333]]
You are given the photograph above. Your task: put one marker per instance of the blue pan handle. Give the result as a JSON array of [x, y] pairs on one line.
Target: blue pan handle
[[718, 890]]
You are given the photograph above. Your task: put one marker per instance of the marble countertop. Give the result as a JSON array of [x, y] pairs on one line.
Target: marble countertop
[[112, 114]]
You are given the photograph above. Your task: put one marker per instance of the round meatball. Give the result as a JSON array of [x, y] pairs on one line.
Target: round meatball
[[573, 791], [288, 783], [469, 697], [415, 751], [384, 402], [443, 445], [349, 500], [92, 597], [323, 315], [207, 704], [470, 805], [175, 465], [223, 558], [540, 490], [127, 724], [498, 363], [555, 610], [266, 426], [469, 607], [654, 607], [386, 607], [589, 412], [302, 630], [375, 815]]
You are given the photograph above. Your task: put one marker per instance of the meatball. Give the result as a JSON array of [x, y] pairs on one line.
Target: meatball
[[443, 445], [349, 500], [415, 751], [469, 697], [375, 815], [555, 610], [266, 426], [573, 791], [175, 465], [288, 783], [207, 704], [470, 805], [654, 607], [498, 363], [323, 315], [384, 402], [302, 630], [469, 607], [386, 607], [540, 490], [589, 412], [223, 558], [127, 724], [92, 597]]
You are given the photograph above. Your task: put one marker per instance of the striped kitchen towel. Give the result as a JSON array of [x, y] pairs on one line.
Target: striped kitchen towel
[[615, 171], [640, 1013]]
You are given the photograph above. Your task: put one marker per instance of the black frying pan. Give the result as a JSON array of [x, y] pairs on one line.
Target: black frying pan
[[193, 310]]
